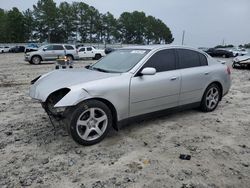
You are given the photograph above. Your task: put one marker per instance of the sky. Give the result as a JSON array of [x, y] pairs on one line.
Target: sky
[[206, 22]]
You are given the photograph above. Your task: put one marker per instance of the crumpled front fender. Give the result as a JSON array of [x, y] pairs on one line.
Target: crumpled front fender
[[75, 96]]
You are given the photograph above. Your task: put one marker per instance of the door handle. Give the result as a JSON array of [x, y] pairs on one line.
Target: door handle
[[173, 78], [206, 73]]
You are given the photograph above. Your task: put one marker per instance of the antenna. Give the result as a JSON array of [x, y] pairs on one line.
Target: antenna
[[183, 37]]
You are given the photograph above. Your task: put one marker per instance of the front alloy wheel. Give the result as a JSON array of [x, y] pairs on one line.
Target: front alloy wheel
[[90, 122], [36, 60]]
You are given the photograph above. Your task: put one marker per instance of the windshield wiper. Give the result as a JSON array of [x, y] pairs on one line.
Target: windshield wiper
[[98, 69]]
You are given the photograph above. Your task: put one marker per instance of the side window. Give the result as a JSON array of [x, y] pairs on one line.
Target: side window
[[163, 60], [58, 47], [48, 48], [188, 58], [89, 49], [203, 60], [68, 47], [82, 50]]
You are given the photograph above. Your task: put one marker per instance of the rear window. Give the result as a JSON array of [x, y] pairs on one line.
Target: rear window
[[190, 58], [68, 47], [58, 47]]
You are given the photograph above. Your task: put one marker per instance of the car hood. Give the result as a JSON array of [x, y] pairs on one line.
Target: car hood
[[66, 78]]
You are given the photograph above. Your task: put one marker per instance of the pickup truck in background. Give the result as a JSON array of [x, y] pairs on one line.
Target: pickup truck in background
[[90, 52]]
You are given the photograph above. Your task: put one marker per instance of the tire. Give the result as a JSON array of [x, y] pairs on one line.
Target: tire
[[211, 98], [224, 56], [89, 122], [36, 60], [70, 57], [98, 56]]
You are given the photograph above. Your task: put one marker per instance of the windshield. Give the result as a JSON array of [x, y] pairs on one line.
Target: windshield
[[120, 61]]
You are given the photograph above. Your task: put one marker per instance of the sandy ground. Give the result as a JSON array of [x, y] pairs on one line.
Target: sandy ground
[[144, 154]]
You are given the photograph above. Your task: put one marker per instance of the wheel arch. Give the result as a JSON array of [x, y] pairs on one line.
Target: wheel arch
[[219, 85], [70, 56], [109, 105], [37, 56], [112, 108]]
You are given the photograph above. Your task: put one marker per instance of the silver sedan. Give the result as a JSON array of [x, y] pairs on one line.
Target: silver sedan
[[130, 82]]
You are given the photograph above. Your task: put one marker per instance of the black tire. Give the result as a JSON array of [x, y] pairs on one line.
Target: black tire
[[36, 60], [82, 112], [98, 56], [205, 107]]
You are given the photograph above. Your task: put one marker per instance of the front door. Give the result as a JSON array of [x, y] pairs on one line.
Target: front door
[[149, 93]]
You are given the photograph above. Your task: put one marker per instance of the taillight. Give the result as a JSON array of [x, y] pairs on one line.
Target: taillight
[[228, 70]]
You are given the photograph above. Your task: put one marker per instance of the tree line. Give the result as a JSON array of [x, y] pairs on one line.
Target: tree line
[[81, 22]]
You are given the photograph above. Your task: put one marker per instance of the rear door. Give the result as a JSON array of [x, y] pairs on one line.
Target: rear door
[[58, 51], [149, 93], [194, 75]]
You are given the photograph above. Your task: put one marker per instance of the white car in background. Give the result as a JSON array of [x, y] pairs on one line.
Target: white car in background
[[238, 51], [4, 49], [90, 52]]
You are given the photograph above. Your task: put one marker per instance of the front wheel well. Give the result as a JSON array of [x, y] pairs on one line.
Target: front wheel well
[[112, 108]]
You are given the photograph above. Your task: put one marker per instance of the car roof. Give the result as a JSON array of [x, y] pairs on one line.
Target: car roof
[[155, 47]]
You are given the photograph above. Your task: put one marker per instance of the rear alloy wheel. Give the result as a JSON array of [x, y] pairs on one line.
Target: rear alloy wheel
[[36, 60], [211, 98], [90, 122]]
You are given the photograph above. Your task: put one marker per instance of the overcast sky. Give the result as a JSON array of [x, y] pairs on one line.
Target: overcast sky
[[206, 22]]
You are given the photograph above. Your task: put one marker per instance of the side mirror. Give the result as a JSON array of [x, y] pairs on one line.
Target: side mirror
[[44, 49], [148, 71]]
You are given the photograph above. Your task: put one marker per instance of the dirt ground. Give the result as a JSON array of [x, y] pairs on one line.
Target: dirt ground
[[143, 154]]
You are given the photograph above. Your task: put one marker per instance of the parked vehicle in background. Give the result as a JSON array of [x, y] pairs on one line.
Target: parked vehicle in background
[[204, 49], [108, 50], [241, 62], [52, 52], [238, 51], [214, 52], [90, 52], [17, 49], [79, 45], [31, 47], [130, 82], [4, 49]]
